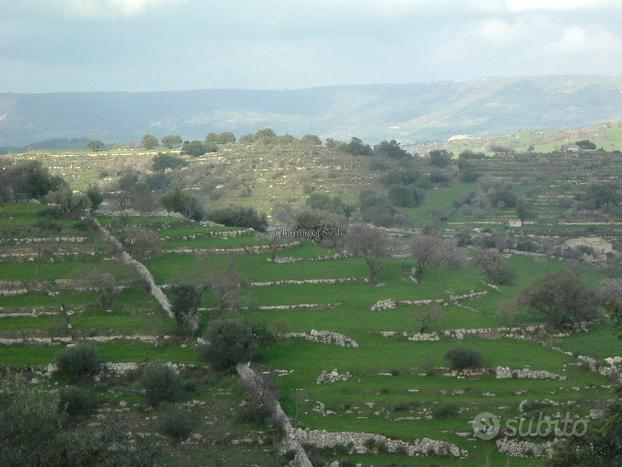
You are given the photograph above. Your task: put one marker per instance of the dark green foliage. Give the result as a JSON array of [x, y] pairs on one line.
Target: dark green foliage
[[331, 204], [175, 423], [443, 411], [463, 358], [602, 195], [33, 433], [158, 181], [160, 384], [561, 299], [311, 140], [254, 412], [356, 147], [185, 299], [78, 362], [95, 197], [76, 403], [96, 145], [178, 201], [171, 141], [149, 141], [585, 144], [198, 148], [29, 180], [524, 209], [220, 138], [238, 216], [29, 424], [391, 149], [440, 157], [600, 447], [229, 343], [326, 228], [405, 196], [164, 161]]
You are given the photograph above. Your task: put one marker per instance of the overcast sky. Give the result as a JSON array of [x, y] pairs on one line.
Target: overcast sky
[[143, 45]]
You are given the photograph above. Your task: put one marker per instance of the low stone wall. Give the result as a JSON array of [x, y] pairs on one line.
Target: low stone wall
[[358, 441], [517, 332], [289, 443], [305, 259], [35, 311], [325, 337], [219, 251], [391, 304], [29, 240], [299, 306], [143, 272], [58, 340], [338, 280], [526, 373], [212, 234], [519, 448]]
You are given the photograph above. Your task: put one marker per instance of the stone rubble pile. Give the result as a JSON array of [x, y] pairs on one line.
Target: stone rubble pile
[[391, 304], [325, 337], [329, 377]]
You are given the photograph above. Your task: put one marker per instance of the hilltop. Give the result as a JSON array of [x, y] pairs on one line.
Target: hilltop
[[407, 112]]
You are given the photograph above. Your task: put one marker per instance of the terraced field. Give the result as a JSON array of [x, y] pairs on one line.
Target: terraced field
[[395, 385]]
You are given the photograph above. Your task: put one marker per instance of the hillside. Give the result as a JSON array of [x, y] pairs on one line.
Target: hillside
[[409, 112]]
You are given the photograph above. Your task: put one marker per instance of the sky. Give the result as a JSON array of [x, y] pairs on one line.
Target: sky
[[153, 45]]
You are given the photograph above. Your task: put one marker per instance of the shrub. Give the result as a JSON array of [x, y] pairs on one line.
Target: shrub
[[254, 412], [76, 403], [160, 384], [78, 362], [175, 424], [230, 343], [237, 216], [444, 411], [462, 358]]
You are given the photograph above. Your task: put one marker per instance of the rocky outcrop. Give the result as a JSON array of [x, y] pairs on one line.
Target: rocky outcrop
[[325, 337]]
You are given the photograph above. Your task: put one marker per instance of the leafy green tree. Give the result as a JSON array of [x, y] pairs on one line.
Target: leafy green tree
[[220, 138], [160, 384], [95, 197], [561, 299], [172, 141], [178, 201], [95, 145], [194, 148], [356, 147], [405, 196], [311, 140], [228, 343], [238, 216], [391, 149], [81, 361], [463, 358], [150, 141], [440, 157], [185, 301], [164, 161], [586, 145]]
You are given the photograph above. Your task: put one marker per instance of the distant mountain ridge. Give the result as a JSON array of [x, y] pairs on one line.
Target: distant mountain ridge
[[407, 112]]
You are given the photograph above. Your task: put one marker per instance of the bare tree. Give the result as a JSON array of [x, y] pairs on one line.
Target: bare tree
[[430, 251], [227, 287], [371, 245]]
